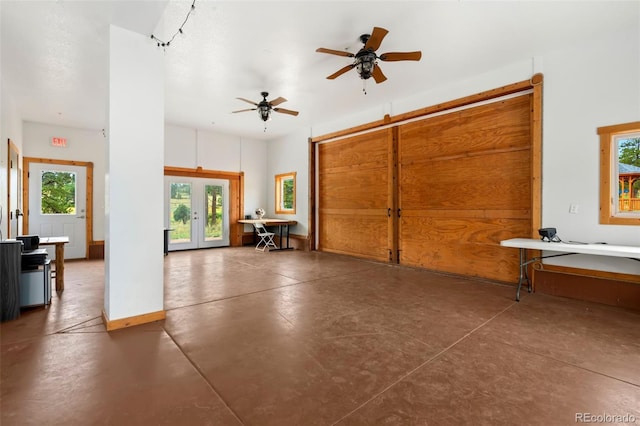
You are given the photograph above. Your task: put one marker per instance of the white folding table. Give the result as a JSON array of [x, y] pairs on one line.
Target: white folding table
[[563, 249]]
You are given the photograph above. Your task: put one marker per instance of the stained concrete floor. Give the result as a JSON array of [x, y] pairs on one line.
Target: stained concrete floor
[[298, 338]]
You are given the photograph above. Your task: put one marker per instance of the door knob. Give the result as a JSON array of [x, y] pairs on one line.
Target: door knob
[[19, 213]]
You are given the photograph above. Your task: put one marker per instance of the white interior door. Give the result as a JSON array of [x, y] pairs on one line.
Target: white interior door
[[15, 196], [57, 198], [197, 212]]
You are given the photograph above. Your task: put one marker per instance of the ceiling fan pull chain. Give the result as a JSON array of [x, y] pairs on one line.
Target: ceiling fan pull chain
[[364, 86]]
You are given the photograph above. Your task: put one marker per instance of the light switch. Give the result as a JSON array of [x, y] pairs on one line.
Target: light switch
[[573, 208]]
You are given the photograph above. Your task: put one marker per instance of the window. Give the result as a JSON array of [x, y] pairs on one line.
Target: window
[[58, 192], [620, 174], [286, 193]]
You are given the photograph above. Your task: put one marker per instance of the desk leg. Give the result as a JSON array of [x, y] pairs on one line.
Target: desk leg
[[287, 235], [60, 267], [284, 242]]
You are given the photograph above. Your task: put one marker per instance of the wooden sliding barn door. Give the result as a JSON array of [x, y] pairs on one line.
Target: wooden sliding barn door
[[465, 183], [356, 195]]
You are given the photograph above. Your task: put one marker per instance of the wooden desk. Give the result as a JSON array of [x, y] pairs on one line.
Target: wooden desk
[[280, 223], [59, 242], [563, 249]]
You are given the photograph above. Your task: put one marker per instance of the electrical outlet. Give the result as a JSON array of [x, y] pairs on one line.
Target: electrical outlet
[[573, 208]]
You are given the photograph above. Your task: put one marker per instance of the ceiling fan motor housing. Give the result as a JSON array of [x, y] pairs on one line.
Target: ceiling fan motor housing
[[365, 63], [264, 111]]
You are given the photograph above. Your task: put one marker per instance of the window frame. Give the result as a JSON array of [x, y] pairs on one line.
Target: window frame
[[608, 136], [279, 180]]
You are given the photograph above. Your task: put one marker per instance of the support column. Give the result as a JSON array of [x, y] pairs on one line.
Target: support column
[[134, 257]]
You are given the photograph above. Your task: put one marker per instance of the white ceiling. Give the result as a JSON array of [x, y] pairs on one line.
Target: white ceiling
[[55, 53]]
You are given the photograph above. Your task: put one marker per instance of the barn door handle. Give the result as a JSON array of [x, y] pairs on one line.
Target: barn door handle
[[399, 212], [389, 212]]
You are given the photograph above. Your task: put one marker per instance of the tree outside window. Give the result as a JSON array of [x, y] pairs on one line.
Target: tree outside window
[[58, 192]]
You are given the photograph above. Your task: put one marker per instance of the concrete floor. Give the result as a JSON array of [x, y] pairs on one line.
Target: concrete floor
[[298, 338]]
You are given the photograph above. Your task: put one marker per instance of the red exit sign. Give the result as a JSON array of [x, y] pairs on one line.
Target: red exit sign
[[59, 142]]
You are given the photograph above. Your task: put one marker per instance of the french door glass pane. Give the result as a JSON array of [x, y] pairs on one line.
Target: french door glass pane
[[180, 212], [58, 194], [213, 215]]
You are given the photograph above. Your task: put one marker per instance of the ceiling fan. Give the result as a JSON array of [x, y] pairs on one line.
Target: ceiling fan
[[366, 60], [265, 107]]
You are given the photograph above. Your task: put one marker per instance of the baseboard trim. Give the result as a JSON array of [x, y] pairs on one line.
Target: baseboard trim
[[616, 276], [604, 290], [132, 321], [96, 250]]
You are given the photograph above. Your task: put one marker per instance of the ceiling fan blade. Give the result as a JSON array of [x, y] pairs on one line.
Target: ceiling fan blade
[[335, 52], [277, 101], [341, 71], [243, 110], [247, 100], [401, 56], [377, 74], [376, 38], [286, 111]]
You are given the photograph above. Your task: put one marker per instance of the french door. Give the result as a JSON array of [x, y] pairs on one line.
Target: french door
[[196, 212]]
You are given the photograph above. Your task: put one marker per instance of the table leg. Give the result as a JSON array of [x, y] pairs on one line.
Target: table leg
[[523, 273], [522, 266], [60, 267]]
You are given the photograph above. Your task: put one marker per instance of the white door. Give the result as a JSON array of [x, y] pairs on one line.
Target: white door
[[197, 212], [57, 198], [15, 196]]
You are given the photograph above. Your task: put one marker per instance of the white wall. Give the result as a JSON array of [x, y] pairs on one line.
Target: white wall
[[82, 145], [256, 183], [290, 154], [593, 84], [180, 147], [10, 128]]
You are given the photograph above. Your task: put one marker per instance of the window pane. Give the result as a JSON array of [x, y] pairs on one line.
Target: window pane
[[213, 215], [180, 212], [287, 194], [628, 174], [58, 192]]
